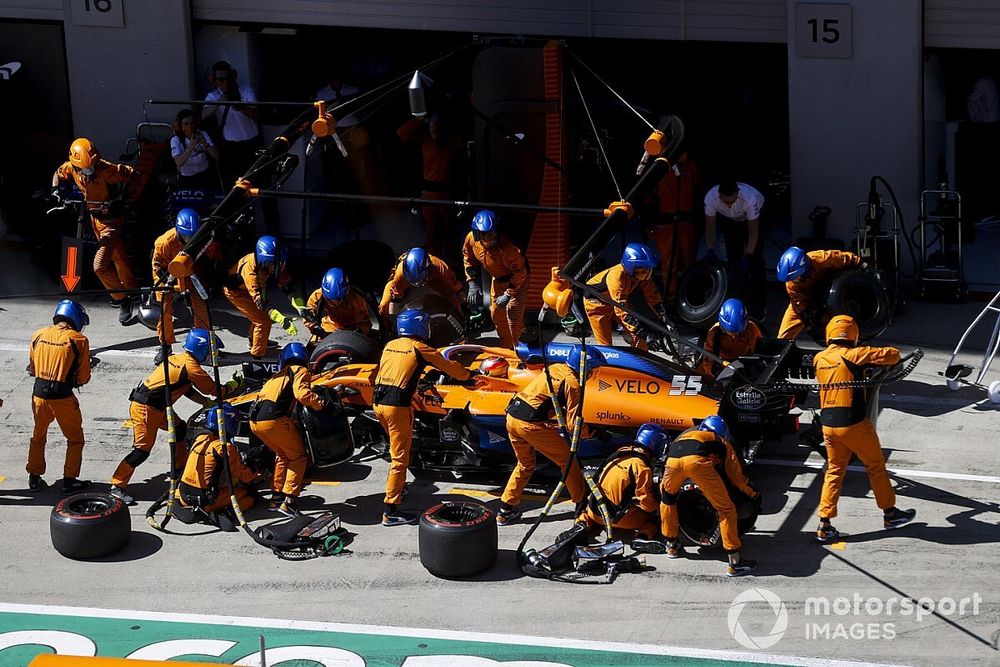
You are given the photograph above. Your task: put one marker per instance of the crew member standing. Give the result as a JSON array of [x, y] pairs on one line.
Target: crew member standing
[[273, 422], [95, 178], [503, 260], [165, 248], [731, 338], [626, 482], [737, 206], [336, 307], [237, 123], [532, 425], [847, 428], [148, 410], [246, 289], [704, 456], [673, 230], [417, 268], [59, 360], [801, 272], [399, 370], [616, 284]]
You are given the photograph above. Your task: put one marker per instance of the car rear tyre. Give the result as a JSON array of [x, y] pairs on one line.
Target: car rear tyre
[[90, 525], [458, 539], [343, 347]]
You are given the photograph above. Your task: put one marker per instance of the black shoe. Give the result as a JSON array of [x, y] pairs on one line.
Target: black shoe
[[158, 359], [826, 532], [745, 566], [290, 509], [675, 549], [126, 318], [398, 518], [894, 517], [224, 520], [508, 515], [36, 483], [275, 501], [122, 495], [644, 546], [73, 485]]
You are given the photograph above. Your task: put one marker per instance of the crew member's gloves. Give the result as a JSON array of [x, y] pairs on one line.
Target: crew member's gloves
[[475, 294], [709, 256], [286, 323], [299, 305], [744, 264], [502, 300]]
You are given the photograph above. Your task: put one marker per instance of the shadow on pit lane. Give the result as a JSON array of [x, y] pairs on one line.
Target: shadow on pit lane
[[930, 407], [140, 545]]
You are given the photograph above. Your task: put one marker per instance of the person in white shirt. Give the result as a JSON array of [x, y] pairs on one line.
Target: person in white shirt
[[191, 149], [237, 123], [736, 206], [984, 100]]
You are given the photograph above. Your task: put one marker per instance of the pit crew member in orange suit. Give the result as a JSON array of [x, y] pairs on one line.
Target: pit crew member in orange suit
[[847, 430], [403, 360], [165, 248], [273, 422], [148, 410], [335, 307], [503, 260], [673, 230], [59, 360], [801, 271], [617, 283], [532, 426], [202, 485], [703, 455], [732, 337], [626, 481], [94, 177], [418, 268], [246, 289]]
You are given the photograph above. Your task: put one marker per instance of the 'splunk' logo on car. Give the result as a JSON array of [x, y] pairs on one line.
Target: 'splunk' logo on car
[[748, 398], [613, 416]]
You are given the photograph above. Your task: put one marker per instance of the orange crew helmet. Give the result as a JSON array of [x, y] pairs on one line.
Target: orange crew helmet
[[83, 154], [842, 329]]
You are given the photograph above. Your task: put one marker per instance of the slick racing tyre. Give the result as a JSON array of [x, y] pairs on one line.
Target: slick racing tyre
[[699, 522], [458, 539], [859, 294], [701, 293], [447, 324], [90, 525], [343, 347]]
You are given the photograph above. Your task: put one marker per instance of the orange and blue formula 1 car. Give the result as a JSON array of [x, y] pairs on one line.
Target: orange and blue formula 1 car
[[460, 428]]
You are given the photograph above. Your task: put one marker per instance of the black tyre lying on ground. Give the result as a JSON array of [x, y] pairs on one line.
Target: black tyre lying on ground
[[90, 525], [701, 292], [458, 539], [344, 347]]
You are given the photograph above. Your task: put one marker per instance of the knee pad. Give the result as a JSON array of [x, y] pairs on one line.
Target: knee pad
[[669, 498], [180, 430], [136, 457]]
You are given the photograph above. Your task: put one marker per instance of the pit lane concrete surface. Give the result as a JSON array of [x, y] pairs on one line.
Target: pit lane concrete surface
[[842, 601]]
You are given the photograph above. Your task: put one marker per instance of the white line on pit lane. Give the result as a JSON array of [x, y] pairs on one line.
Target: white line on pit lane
[[16, 347], [902, 472], [453, 635]]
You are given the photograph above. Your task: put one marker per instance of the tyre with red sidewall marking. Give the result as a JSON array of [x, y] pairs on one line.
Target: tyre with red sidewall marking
[[90, 525], [458, 539], [342, 347]]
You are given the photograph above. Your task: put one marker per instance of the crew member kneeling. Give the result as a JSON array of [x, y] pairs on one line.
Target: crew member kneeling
[[626, 481], [698, 454], [801, 272], [271, 420], [399, 370], [846, 427], [616, 284], [202, 484], [731, 338], [532, 426], [335, 307]]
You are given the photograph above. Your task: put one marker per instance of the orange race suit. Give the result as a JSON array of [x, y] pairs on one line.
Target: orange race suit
[[616, 284], [708, 461], [800, 290], [165, 248], [508, 275], [272, 420], [626, 481], [349, 313], [246, 288], [202, 483], [727, 346], [108, 230], [403, 360], [148, 411], [674, 223], [441, 279], [532, 426], [59, 360], [847, 429]]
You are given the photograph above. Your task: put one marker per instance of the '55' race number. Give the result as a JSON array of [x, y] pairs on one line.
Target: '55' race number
[[685, 385]]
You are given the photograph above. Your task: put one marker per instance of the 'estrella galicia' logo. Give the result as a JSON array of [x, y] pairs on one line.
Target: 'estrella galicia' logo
[[748, 398]]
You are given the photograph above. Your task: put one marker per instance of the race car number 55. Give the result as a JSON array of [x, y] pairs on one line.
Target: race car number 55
[[684, 385]]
